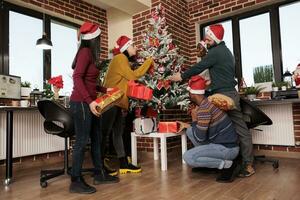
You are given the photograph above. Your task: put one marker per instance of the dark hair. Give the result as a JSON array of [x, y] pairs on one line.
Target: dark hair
[[130, 58], [94, 46]]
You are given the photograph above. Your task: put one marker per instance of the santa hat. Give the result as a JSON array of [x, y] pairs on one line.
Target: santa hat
[[216, 32], [122, 44], [88, 31], [196, 85]]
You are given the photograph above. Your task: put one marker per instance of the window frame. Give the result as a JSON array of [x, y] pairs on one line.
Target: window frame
[[273, 11], [5, 8]]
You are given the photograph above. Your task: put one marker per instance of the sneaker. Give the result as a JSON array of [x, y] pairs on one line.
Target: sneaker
[[247, 171], [130, 168], [78, 185], [228, 175], [126, 167], [102, 177], [108, 169]]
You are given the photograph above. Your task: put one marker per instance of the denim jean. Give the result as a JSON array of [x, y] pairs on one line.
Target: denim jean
[[87, 125], [208, 155]]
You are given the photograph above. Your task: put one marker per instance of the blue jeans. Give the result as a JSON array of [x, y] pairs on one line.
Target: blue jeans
[[87, 125], [208, 155]]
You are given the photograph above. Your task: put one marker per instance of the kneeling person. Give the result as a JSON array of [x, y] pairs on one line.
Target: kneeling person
[[212, 134]]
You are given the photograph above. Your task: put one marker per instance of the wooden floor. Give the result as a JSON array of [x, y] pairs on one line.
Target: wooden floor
[[179, 182]]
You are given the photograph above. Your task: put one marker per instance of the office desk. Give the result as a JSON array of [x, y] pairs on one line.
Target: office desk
[[9, 139]]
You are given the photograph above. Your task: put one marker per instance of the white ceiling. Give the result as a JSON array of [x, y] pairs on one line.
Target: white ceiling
[[128, 6]]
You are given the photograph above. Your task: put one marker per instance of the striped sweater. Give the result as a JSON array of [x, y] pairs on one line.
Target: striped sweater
[[213, 126]]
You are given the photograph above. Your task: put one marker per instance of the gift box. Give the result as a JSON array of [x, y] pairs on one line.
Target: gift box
[[168, 127], [108, 100], [139, 91]]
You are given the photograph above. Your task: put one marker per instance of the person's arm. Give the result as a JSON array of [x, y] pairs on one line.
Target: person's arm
[[200, 124], [128, 73], [82, 63], [206, 62]]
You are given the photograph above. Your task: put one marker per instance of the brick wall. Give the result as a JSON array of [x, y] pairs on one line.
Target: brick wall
[[78, 10]]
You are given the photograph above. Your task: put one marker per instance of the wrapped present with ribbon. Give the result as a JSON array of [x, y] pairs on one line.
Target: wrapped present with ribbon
[[171, 127], [139, 91], [108, 100]]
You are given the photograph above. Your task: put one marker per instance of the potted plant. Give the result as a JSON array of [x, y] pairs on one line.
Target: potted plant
[[47, 92], [263, 77], [25, 89], [283, 86], [252, 92], [274, 87]]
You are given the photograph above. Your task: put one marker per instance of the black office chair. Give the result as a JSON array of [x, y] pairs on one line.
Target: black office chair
[[54, 113], [254, 117]]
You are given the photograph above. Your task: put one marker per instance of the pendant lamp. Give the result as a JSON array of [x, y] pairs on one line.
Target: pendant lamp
[[44, 42]]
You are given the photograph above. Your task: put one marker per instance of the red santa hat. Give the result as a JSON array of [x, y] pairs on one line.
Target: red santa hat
[[216, 32], [88, 31], [122, 44], [196, 85]]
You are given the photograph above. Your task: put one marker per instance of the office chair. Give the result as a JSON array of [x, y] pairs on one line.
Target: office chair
[[254, 117], [54, 114]]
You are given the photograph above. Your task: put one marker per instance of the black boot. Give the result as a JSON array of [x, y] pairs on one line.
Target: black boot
[[126, 167], [102, 177], [228, 175], [78, 185], [108, 169]]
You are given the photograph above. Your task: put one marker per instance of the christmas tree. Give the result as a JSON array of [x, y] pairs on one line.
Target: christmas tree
[[158, 44]]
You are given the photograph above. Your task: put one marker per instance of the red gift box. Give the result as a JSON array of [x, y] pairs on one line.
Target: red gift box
[[139, 91], [168, 127], [148, 94]]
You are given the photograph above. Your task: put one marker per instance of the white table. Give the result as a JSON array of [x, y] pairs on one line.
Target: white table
[[163, 146]]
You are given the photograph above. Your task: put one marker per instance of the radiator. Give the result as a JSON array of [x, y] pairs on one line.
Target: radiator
[[29, 137], [282, 130]]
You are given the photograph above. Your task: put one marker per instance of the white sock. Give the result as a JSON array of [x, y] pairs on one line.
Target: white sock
[[227, 164]]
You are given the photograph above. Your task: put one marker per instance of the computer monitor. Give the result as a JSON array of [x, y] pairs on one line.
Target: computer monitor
[[10, 87]]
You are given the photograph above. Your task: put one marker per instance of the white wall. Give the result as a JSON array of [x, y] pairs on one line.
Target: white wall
[[119, 23]]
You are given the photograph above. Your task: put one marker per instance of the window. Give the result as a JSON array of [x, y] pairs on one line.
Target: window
[[290, 32], [64, 39], [25, 60], [256, 48]]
